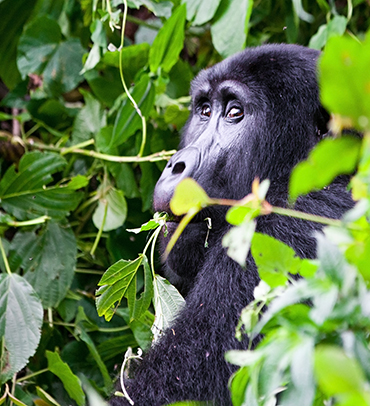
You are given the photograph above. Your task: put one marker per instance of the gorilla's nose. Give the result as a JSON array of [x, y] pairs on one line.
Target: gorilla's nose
[[182, 165]]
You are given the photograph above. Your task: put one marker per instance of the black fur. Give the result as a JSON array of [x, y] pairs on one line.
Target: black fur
[[275, 87]]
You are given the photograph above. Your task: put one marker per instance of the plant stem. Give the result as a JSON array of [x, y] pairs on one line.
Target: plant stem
[[89, 271], [5, 259], [100, 232], [27, 377], [77, 149], [136, 107], [306, 216], [33, 222], [156, 234], [50, 317], [158, 156], [84, 144]]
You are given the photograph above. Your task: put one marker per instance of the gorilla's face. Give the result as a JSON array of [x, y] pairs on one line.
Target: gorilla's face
[[255, 114], [222, 117]]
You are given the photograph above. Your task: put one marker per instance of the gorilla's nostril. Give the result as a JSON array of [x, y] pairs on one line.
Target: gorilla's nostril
[[179, 167]]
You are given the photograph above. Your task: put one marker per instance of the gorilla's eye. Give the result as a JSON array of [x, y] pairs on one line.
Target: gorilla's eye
[[206, 110], [235, 112]]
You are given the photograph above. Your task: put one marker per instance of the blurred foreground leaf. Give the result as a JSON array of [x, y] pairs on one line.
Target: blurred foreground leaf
[[330, 158], [345, 79]]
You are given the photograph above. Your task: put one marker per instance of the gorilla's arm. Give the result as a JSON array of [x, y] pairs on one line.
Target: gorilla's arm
[[189, 358]]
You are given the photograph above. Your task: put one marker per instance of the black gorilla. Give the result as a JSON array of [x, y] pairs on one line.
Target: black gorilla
[[256, 114]]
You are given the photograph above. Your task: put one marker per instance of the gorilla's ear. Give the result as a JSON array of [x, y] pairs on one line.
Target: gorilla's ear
[[322, 122]]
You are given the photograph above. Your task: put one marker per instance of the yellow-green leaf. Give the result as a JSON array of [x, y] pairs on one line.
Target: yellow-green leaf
[[188, 195]]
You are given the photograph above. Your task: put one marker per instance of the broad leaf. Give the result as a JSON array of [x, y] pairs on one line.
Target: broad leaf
[[199, 11], [80, 331], [336, 372], [344, 79], [24, 195], [235, 14], [142, 304], [169, 42], [330, 158], [15, 15], [111, 211], [188, 195], [89, 120], [167, 304], [336, 26], [238, 241], [37, 44], [41, 51], [118, 281], [70, 381], [274, 259], [128, 120], [21, 316], [46, 397], [48, 260]]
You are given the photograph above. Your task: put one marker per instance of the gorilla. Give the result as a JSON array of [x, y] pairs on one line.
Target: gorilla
[[256, 114]]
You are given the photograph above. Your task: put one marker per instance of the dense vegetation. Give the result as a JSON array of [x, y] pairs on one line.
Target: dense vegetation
[[78, 166]]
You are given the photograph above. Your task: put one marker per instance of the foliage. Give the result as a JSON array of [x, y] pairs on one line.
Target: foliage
[[88, 117]]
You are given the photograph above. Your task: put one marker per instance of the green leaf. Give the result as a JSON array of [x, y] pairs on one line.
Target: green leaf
[[199, 11], [112, 209], [188, 195], [238, 387], [48, 260], [274, 259], [167, 304], [41, 51], [99, 40], [24, 195], [134, 58], [128, 121], [142, 304], [78, 182], [169, 42], [238, 241], [89, 120], [330, 158], [46, 397], [15, 15], [118, 281], [235, 14], [124, 176], [332, 261], [337, 373], [21, 317], [336, 26], [237, 214], [150, 225], [301, 389], [37, 43], [159, 9], [243, 357], [301, 13], [81, 317], [62, 73], [70, 381], [302, 290], [344, 79]]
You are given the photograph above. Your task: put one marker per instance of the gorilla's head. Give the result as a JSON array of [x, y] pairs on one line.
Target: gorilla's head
[[256, 114]]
